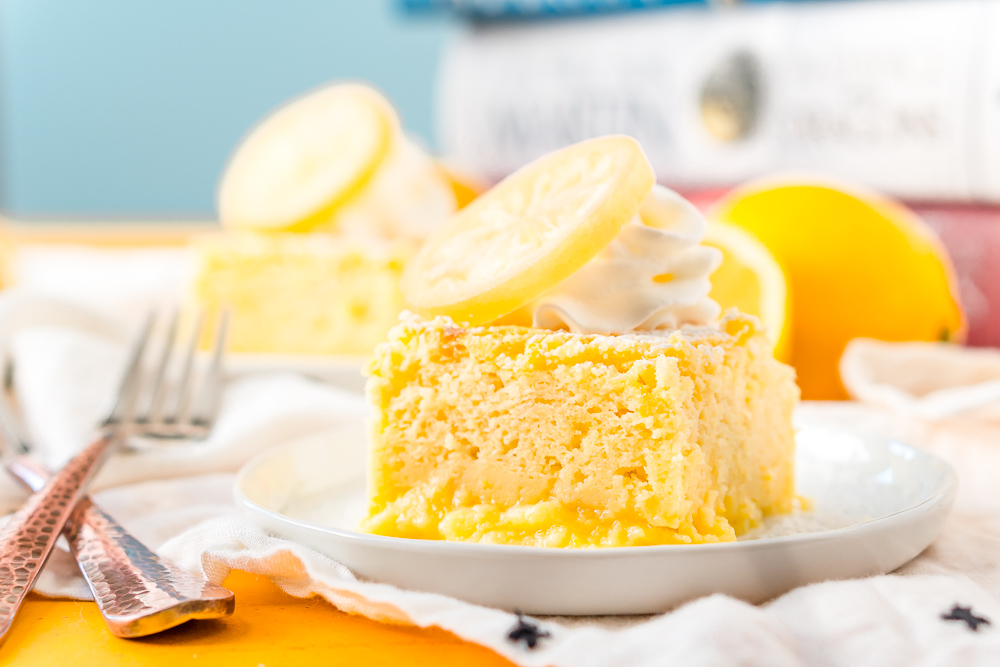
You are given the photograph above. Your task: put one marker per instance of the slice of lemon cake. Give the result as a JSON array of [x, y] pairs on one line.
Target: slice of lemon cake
[[322, 203], [625, 414], [521, 436]]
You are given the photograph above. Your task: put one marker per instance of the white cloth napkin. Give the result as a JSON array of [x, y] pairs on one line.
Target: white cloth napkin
[[927, 381], [119, 283], [179, 502]]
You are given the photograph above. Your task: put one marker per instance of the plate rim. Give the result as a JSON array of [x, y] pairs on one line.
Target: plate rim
[[945, 492]]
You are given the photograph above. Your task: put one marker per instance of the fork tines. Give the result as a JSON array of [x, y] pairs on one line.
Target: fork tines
[[182, 398]]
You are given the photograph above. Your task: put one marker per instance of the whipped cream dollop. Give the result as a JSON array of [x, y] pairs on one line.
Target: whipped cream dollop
[[654, 275]]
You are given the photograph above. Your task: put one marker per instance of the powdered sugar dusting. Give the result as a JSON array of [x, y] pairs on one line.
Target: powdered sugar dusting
[[797, 523]]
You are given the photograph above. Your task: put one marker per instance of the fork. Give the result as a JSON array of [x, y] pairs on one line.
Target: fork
[[26, 541], [137, 592]]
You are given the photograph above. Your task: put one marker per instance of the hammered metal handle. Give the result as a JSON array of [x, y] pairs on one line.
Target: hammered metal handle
[[27, 539], [138, 592]]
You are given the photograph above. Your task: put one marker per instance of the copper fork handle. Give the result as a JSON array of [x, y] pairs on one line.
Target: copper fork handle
[[29, 536], [138, 592]]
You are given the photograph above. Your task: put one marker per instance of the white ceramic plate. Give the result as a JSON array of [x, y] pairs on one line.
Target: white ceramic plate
[[877, 504]]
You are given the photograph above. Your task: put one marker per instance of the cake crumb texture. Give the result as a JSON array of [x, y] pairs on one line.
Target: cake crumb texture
[[513, 435], [301, 293]]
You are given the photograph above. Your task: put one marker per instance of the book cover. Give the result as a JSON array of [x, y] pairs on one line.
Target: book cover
[[900, 95]]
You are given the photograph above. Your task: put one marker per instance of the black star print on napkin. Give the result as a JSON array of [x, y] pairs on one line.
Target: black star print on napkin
[[527, 632], [964, 614]]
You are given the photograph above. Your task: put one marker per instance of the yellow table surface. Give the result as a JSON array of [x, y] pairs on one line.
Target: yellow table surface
[[268, 628]]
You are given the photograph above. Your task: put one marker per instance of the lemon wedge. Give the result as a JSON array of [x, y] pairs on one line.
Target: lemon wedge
[[307, 158], [529, 232], [858, 265], [751, 280]]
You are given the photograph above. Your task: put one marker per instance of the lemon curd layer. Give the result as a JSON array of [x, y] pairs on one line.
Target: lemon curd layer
[[513, 435], [301, 293]]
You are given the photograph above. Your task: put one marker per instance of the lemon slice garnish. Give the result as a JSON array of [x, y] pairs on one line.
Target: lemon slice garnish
[[307, 158], [529, 232]]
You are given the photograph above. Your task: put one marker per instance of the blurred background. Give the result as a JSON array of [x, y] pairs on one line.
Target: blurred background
[[113, 110]]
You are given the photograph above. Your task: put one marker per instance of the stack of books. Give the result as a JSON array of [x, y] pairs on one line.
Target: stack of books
[[900, 96], [504, 9]]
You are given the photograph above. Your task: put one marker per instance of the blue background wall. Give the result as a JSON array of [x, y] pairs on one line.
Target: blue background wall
[[119, 108]]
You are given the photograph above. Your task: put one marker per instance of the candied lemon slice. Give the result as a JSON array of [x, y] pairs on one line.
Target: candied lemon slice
[[306, 159], [529, 232]]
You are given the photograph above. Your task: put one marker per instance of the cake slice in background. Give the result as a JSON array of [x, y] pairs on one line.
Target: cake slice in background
[[302, 293]]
